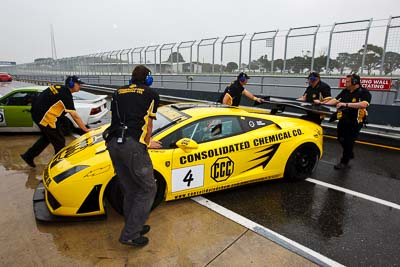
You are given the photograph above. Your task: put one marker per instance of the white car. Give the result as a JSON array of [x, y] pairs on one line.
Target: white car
[[15, 109]]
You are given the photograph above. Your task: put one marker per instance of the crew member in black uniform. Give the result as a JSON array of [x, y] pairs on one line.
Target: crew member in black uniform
[[352, 103], [47, 107], [133, 109], [233, 92], [317, 92]]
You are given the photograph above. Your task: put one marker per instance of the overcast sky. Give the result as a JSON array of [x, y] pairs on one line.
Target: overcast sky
[[83, 27]]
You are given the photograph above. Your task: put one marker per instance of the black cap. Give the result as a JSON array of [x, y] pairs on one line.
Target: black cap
[[241, 75], [74, 79]]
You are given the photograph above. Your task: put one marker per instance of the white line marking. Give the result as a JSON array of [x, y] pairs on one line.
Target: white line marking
[[269, 234], [354, 193]]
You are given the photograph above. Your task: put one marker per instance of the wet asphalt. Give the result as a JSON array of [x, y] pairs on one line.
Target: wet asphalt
[[348, 229], [183, 233]]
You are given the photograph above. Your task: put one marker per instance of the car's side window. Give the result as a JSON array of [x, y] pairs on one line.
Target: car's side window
[[212, 128], [205, 130], [191, 131], [19, 99], [221, 127], [170, 140]]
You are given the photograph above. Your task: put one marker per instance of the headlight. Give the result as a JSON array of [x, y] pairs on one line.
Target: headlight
[[62, 176]]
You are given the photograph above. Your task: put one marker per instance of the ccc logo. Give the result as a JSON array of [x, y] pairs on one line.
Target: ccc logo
[[222, 169]]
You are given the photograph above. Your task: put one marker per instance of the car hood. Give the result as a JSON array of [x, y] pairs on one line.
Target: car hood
[[79, 150]]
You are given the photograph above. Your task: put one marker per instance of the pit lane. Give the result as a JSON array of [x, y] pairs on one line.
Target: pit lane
[[353, 219], [341, 226]]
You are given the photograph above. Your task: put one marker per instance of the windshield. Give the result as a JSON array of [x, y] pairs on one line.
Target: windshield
[[161, 123], [166, 117]]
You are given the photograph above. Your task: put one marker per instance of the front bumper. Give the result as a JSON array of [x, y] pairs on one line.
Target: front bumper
[[42, 212]]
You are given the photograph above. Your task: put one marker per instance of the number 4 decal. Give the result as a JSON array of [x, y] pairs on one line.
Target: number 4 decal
[[187, 178]]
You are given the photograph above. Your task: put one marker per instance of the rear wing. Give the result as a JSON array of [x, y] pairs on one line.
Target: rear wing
[[278, 105]]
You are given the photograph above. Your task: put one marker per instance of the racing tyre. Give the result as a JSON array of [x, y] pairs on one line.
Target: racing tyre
[[115, 196], [160, 190], [301, 163]]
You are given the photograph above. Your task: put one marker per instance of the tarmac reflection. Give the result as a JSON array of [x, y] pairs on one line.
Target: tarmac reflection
[[330, 219]]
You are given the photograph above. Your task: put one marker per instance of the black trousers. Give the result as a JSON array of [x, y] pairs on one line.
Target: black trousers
[[347, 134], [48, 135], [134, 168]]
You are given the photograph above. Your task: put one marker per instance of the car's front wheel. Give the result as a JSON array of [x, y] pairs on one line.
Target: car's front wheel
[[116, 198], [302, 162]]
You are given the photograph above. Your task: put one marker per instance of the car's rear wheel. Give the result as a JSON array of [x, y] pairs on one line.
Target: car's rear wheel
[[116, 199], [302, 162]]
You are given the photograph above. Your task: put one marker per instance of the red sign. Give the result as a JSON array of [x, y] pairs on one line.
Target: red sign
[[372, 84]]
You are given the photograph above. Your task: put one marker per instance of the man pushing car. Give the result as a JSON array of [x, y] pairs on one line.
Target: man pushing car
[[47, 107]]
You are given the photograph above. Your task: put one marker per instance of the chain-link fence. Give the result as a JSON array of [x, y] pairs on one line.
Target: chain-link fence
[[369, 47]]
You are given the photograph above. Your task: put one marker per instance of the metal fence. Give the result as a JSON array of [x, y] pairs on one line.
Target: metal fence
[[383, 111], [369, 47]]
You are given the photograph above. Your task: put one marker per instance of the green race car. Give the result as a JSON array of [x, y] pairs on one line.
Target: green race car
[[15, 109]]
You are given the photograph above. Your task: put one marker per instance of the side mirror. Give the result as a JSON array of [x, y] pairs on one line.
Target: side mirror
[[187, 144]]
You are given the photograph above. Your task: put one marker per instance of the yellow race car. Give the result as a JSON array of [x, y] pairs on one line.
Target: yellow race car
[[206, 148]]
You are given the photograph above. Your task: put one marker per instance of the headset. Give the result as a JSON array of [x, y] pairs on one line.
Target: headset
[[147, 81], [355, 79], [70, 82], [242, 77]]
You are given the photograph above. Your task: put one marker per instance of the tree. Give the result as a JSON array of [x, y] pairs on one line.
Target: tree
[[231, 66], [278, 65], [372, 57], [343, 61], [334, 64], [254, 65], [207, 68], [392, 62], [320, 63], [263, 62], [354, 62], [295, 64], [175, 56]]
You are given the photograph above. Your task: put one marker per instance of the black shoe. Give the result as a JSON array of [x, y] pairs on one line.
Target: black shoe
[[352, 156], [145, 230], [340, 166], [28, 160], [138, 242]]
